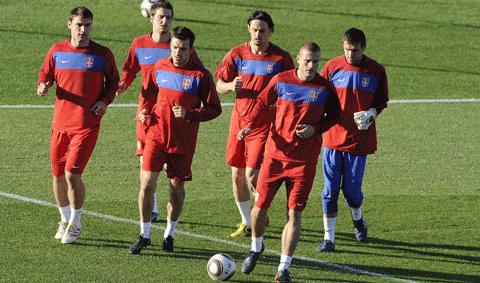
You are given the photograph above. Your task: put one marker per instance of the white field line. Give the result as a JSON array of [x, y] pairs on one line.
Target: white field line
[[208, 238], [230, 104]]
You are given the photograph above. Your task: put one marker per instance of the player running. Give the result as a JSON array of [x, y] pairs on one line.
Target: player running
[[246, 70], [179, 95], [305, 106], [86, 76], [144, 51], [362, 89]]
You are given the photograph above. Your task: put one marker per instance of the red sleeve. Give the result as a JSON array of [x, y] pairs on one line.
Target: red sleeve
[[47, 71], [150, 92], [211, 102], [332, 111], [131, 66], [324, 72], [194, 58], [226, 70], [380, 98], [267, 97], [111, 78]]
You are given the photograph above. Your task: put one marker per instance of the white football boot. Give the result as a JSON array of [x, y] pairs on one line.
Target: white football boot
[[62, 227], [71, 234]]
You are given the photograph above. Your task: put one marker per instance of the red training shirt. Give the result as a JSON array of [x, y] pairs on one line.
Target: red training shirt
[[297, 102], [359, 88], [143, 54], [256, 70], [191, 87], [84, 76]]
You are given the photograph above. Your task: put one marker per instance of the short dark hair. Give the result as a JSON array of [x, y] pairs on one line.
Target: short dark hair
[[161, 4], [262, 16], [355, 36], [310, 46], [183, 33], [84, 12]]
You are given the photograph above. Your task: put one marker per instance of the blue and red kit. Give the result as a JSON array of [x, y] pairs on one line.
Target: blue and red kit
[[256, 71], [296, 102], [358, 88], [289, 158], [143, 54], [84, 76], [191, 87]]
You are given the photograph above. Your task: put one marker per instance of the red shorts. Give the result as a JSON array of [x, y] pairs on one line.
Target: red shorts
[[71, 151], [298, 178], [154, 158], [142, 130], [246, 153]]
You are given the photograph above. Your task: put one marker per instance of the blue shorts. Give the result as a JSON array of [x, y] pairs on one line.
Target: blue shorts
[[342, 170]]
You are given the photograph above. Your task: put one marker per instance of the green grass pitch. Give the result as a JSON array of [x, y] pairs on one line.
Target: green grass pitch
[[422, 185]]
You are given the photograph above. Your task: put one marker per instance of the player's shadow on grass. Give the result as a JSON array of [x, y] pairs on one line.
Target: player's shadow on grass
[[103, 243], [423, 275], [419, 249]]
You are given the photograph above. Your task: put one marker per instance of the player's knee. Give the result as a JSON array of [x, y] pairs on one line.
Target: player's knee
[[355, 201], [238, 172], [147, 186], [294, 216], [329, 205], [74, 180], [329, 202]]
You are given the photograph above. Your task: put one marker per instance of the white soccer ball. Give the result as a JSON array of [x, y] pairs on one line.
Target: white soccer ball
[[221, 267], [146, 6]]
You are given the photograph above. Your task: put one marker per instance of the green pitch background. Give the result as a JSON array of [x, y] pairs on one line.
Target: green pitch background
[[422, 186]]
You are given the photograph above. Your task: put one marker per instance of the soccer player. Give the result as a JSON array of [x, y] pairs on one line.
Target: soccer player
[[86, 76], [246, 70], [362, 89], [144, 51], [305, 106], [176, 89]]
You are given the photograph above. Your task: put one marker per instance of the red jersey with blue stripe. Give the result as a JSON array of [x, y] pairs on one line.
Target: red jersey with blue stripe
[[84, 76], [256, 70], [358, 88], [297, 102], [191, 87], [143, 54]]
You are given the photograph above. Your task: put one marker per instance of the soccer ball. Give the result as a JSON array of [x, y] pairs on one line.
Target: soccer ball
[[146, 6], [221, 267]]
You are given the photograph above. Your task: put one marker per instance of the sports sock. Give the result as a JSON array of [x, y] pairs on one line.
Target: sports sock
[[155, 204], [257, 243], [329, 227], [245, 209], [356, 214], [75, 215], [64, 213], [285, 261], [145, 229], [171, 228]]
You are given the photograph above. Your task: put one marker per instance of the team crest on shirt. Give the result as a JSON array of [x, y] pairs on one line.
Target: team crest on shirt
[[269, 68], [364, 81], [89, 62], [186, 83], [313, 95]]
